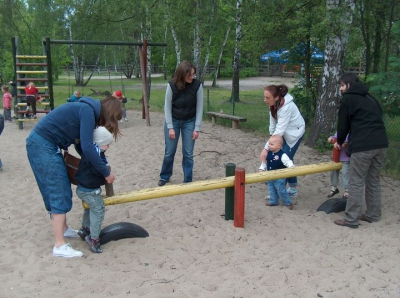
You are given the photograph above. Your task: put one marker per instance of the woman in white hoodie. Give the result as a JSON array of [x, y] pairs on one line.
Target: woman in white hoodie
[[286, 121]]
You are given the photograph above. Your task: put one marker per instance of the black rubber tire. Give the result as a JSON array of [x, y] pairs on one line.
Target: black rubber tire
[[333, 205], [122, 230]]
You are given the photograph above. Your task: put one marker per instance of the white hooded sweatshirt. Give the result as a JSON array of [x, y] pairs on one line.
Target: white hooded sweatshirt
[[289, 123]]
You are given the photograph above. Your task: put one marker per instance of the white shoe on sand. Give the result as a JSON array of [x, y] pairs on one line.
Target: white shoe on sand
[[66, 251]]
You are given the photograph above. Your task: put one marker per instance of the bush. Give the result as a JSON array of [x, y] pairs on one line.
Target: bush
[[243, 72]]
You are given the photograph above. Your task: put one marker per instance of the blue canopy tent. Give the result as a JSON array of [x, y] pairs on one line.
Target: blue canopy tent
[[295, 55], [274, 56]]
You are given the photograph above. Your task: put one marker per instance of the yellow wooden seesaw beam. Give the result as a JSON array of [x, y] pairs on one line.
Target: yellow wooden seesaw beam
[[32, 71], [197, 186], [38, 103]]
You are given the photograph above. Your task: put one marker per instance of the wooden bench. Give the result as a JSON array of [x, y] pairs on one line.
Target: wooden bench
[[235, 119]]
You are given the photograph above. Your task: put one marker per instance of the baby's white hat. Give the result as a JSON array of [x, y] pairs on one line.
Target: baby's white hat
[[101, 136]]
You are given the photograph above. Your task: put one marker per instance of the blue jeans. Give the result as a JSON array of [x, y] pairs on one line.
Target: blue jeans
[[277, 189], [93, 217], [48, 166], [292, 181], [186, 128]]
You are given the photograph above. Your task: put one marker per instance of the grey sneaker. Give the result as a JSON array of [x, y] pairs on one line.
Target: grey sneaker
[[292, 192], [94, 245], [71, 233], [66, 251]]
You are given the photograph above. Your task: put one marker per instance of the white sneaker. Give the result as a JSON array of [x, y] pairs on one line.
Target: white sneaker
[[122, 121], [292, 192], [66, 251], [126, 119], [267, 197], [71, 233]]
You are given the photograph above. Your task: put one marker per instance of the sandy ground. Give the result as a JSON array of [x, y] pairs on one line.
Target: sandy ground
[[192, 251]]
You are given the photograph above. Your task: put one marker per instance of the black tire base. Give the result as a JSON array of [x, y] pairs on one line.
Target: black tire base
[[333, 205], [121, 230]]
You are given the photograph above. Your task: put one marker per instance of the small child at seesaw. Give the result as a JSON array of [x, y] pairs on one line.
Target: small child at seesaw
[[277, 159], [345, 170], [89, 191]]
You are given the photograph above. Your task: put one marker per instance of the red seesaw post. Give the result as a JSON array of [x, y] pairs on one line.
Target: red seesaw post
[[240, 185]]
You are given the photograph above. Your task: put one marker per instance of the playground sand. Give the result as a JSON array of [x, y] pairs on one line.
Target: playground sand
[[192, 251]]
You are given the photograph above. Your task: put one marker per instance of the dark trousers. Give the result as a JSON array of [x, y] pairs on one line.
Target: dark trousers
[[31, 101]]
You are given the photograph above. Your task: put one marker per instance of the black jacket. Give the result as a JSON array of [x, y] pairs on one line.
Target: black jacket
[[361, 115], [87, 175], [184, 101]]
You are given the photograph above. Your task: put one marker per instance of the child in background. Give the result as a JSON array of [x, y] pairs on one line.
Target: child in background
[[277, 159], [345, 170], [75, 97], [7, 100], [31, 93], [118, 94], [1, 130], [89, 191]]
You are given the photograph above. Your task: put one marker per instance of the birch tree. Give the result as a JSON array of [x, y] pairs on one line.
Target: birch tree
[[236, 56], [340, 16], [221, 51]]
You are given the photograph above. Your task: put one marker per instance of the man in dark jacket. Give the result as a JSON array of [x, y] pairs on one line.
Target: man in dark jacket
[[361, 115]]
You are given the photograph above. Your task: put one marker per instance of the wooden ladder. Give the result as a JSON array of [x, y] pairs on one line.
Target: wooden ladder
[[31, 69]]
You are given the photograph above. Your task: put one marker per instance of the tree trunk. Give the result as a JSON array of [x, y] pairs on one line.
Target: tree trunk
[[177, 47], [197, 45], [236, 57], [164, 60], [203, 74], [327, 105], [214, 83]]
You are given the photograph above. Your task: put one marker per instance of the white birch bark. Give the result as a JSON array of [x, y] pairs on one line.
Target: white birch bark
[[214, 83], [197, 43], [207, 57], [340, 17], [236, 57]]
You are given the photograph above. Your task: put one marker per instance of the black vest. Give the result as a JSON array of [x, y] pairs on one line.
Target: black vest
[[184, 101]]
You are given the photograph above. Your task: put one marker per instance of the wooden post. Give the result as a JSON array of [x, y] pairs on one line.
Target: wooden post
[[240, 184], [335, 153], [229, 192], [109, 187], [143, 68]]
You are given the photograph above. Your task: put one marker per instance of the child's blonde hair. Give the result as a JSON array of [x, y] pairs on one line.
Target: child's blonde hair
[[277, 138]]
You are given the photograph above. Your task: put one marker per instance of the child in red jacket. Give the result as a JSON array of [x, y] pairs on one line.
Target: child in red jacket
[[31, 93]]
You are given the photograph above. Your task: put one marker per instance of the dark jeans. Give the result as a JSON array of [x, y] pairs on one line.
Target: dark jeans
[[291, 152], [31, 101]]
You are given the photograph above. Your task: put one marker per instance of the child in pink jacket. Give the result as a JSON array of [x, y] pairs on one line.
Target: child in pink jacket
[[7, 99]]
